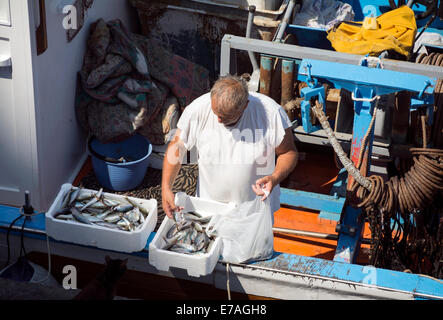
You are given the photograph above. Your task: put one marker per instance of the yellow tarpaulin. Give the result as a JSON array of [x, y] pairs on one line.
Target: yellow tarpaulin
[[393, 30]]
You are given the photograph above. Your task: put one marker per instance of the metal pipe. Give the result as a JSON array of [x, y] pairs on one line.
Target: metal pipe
[[230, 42], [248, 35], [313, 234], [266, 65], [285, 21], [287, 81]]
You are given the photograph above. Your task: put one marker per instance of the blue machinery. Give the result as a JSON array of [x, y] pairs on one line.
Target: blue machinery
[[366, 84]]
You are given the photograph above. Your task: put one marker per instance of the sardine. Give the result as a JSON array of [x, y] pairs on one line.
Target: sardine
[[65, 216], [104, 214], [183, 248], [108, 225], [73, 196], [79, 217], [123, 208], [112, 218], [142, 209], [133, 215], [66, 199], [63, 211], [98, 205], [91, 217]]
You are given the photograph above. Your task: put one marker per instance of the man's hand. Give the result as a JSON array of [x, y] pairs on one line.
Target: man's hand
[[263, 186], [171, 166], [168, 203], [287, 157]]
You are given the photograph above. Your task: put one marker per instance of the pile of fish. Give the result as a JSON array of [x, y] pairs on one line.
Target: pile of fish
[[188, 234], [95, 209]]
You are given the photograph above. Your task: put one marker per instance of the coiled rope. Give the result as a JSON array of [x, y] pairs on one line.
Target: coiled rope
[[408, 194]]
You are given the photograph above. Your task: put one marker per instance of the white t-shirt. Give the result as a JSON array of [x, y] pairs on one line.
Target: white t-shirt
[[231, 159]]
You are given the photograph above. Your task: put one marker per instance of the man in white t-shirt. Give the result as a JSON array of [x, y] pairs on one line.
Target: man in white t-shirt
[[238, 135]]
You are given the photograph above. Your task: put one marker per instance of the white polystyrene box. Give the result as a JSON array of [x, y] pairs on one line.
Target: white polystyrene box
[[97, 236], [195, 265]]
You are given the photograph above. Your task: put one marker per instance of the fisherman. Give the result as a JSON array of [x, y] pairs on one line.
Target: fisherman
[[237, 135]]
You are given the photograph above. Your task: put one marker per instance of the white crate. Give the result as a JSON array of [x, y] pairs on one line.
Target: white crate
[[195, 265], [97, 236]]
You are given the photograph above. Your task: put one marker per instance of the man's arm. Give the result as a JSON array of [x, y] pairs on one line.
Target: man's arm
[[171, 166], [287, 158]]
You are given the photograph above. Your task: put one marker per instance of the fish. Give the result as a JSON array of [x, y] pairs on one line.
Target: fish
[[65, 217], [108, 225], [139, 206], [123, 208], [134, 215], [94, 208], [79, 217], [73, 196], [62, 211], [113, 217], [183, 248], [187, 235], [66, 199]]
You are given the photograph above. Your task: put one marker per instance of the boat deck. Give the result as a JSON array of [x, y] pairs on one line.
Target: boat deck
[[301, 267]]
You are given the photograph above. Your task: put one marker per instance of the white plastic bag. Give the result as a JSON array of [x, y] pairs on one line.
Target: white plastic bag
[[246, 231]]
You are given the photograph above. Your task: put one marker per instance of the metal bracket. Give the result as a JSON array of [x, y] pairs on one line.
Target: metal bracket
[[308, 93], [343, 228]]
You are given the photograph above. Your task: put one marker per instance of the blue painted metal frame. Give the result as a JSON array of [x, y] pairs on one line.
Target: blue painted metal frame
[[349, 76], [338, 190], [308, 93], [382, 278], [310, 200], [365, 84]]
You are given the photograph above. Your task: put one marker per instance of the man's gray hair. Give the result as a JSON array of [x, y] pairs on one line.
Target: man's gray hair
[[231, 92]]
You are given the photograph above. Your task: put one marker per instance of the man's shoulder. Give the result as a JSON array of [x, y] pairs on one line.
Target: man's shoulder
[[201, 103], [269, 105]]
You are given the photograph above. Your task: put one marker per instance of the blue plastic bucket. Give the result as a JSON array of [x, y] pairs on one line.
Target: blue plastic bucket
[[120, 176]]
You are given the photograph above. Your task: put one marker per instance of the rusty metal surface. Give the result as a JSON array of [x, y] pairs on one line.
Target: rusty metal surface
[[287, 81], [266, 64]]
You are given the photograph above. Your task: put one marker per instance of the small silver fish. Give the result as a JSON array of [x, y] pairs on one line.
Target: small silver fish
[[63, 211], [139, 206], [112, 218], [123, 208], [133, 215], [79, 217], [73, 196], [108, 225], [104, 214], [65, 217], [66, 199], [183, 248]]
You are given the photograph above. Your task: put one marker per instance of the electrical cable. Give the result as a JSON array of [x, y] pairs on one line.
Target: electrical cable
[[7, 240], [22, 247]]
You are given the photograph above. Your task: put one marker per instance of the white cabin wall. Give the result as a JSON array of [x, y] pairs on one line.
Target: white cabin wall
[[61, 141]]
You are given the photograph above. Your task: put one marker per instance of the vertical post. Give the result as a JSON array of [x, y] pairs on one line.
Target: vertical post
[[363, 111], [225, 56], [351, 226], [266, 64], [287, 81]]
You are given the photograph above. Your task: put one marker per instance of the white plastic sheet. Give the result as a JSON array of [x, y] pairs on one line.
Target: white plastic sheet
[[323, 14], [246, 232]]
